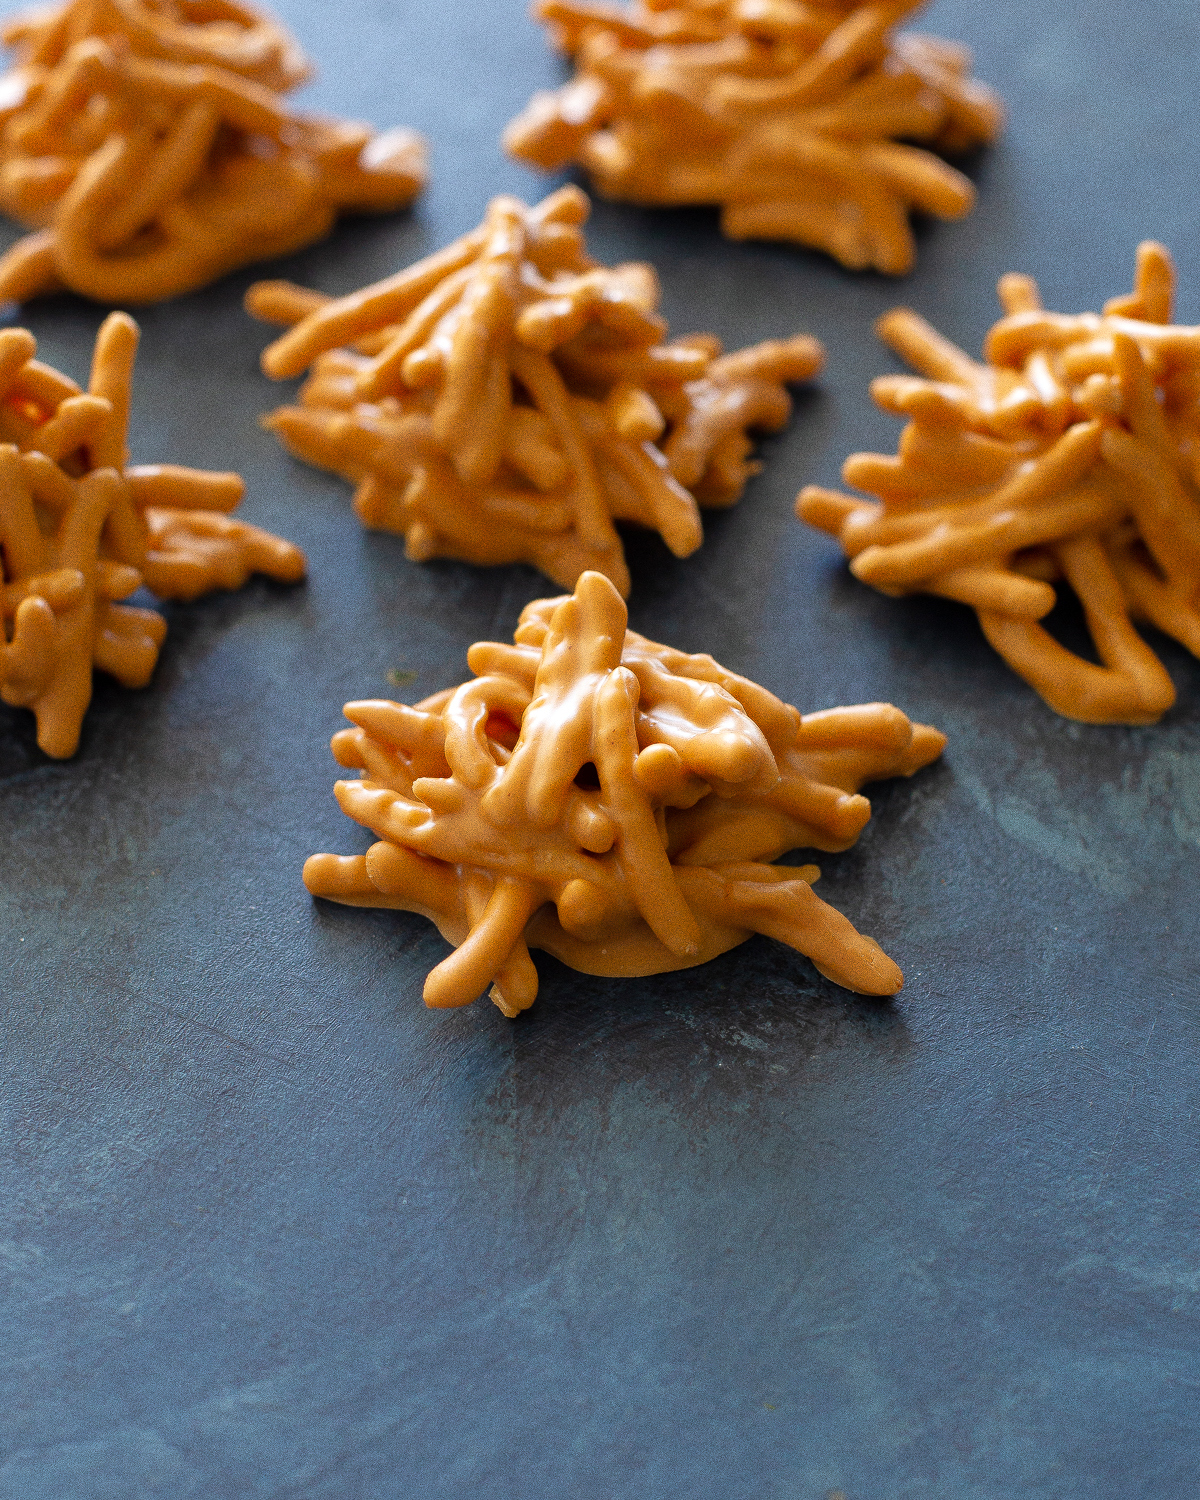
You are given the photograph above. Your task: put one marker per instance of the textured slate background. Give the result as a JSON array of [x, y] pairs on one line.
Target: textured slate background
[[270, 1229]]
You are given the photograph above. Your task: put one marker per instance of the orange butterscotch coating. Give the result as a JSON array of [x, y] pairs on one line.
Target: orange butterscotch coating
[[612, 801], [81, 530], [1072, 455], [787, 113], [507, 399], [147, 145]]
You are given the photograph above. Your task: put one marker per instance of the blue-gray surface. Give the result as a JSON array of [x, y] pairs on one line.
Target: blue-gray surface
[[269, 1228]]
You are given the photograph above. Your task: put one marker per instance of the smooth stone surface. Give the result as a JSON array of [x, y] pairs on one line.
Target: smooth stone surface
[[269, 1228]]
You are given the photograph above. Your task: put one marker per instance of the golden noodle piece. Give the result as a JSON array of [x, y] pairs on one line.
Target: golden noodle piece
[[1071, 456], [612, 801], [805, 120], [508, 399], [81, 530], [147, 145]]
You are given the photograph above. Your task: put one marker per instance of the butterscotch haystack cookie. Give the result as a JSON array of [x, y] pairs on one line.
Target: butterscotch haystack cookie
[[1072, 455], [612, 801], [80, 530], [147, 143], [786, 113], [508, 399]]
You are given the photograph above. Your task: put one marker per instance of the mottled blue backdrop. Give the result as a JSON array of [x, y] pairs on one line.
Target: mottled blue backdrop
[[268, 1228]]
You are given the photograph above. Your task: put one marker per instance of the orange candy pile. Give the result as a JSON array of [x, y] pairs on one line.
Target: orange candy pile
[[147, 145], [1070, 456], [508, 399], [788, 113], [80, 530], [612, 801]]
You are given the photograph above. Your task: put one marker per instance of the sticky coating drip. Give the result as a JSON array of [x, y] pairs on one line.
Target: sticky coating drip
[[148, 146], [805, 120], [612, 801], [508, 399], [81, 530], [1072, 455]]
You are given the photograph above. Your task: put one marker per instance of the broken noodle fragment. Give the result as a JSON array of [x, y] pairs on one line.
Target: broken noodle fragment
[[81, 530], [508, 399], [1072, 455], [804, 120], [147, 145], [612, 801]]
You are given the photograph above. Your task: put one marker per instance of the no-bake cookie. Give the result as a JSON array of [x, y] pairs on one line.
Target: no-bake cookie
[[612, 801], [1071, 455], [81, 530], [805, 120], [508, 399], [147, 144]]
